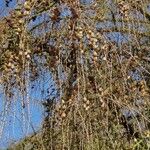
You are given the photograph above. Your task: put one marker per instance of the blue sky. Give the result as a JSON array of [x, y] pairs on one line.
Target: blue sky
[[3, 7], [13, 130], [14, 127]]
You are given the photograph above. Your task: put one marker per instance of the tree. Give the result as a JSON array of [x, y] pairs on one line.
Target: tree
[[98, 55]]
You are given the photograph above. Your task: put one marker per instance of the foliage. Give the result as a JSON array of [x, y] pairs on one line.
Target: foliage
[[98, 54]]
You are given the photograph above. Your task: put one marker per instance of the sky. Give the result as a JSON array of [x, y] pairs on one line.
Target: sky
[[17, 125], [5, 9], [13, 129], [16, 128]]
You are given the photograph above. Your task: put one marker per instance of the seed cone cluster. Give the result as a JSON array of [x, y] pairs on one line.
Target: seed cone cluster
[[124, 8], [86, 104]]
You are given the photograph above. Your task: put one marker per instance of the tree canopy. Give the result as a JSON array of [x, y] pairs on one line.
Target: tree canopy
[[97, 54]]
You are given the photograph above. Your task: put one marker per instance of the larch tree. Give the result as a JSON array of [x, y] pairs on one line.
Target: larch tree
[[97, 54]]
